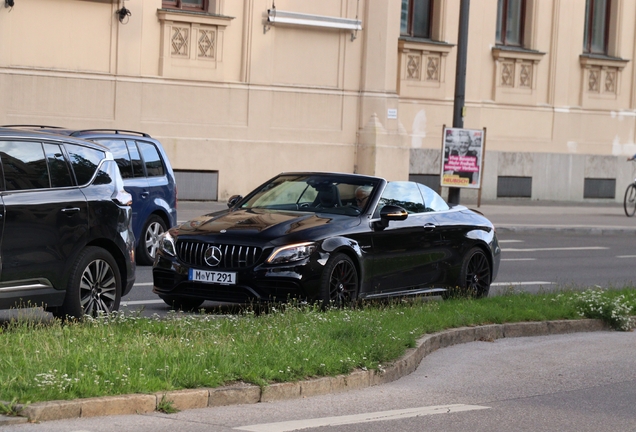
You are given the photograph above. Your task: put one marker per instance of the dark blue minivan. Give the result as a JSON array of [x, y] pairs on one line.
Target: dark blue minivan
[[148, 177]]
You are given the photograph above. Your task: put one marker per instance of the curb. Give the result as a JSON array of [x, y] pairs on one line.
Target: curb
[[249, 394]]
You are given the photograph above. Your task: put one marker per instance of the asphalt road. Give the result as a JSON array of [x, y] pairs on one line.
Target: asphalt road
[[531, 262], [578, 382]]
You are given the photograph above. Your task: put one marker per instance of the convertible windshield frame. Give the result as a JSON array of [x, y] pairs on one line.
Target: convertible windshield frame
[[314, 192]]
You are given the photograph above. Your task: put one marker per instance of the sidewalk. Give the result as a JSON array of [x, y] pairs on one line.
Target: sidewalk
[[511, 215]]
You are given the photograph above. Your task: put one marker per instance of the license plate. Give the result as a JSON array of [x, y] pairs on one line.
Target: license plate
[[215, 277]]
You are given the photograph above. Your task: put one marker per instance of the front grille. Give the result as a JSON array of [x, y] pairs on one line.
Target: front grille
[[192, 253]]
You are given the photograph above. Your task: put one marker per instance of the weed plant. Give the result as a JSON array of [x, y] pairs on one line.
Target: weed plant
[[122, 354]]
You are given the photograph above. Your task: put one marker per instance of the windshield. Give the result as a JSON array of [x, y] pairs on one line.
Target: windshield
[[337, 194]]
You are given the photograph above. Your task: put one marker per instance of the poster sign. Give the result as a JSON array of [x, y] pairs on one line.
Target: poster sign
[[462, 163]]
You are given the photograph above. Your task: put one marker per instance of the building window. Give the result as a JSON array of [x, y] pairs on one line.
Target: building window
[[193, 5], [510, 22], [416, 18], [597, 15]]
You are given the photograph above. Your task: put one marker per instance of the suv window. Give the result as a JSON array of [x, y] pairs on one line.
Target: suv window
[[84, 161], [135, 157], [154, 166], [119, 149], [58, 168], [24, 165]]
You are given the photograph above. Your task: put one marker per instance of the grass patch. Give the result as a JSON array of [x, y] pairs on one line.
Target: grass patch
[[124, 354]]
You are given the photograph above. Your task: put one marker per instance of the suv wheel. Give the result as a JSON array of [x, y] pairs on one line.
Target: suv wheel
[[149, 242], [94, 286]]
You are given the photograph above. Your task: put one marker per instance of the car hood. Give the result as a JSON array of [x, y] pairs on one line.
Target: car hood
[[265, 225]]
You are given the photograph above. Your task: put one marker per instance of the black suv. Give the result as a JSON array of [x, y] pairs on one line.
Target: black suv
[[147, 175], [66, 239]]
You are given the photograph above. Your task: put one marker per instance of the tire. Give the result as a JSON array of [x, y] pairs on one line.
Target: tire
[[149, 241], [629, 202], [185, 304], [94, 285], [475, 274], [339, 284]]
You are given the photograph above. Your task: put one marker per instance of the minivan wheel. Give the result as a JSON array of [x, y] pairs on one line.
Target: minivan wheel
[[149, 241], [94, 286]]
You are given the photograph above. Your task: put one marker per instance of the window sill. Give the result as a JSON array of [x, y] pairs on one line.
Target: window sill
[[516, 53], [420, 44], [205, 18], [596, 60]]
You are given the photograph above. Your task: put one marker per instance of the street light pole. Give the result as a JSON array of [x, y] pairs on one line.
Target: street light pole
[[460, 81]]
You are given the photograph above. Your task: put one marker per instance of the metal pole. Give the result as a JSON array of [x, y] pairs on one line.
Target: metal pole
[[460, 81]]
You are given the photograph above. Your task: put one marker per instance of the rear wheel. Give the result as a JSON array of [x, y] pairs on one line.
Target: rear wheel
[[94, 286], [339, 285], [629, 203], [475, 274], [149, 241], [185, 304]]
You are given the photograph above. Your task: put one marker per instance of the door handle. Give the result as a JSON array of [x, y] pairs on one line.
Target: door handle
[[145, 194], [429, 227], [70, 210]]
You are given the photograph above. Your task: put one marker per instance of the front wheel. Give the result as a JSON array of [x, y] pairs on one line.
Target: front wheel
[[94, 286], [339, 284], [629, 203], [149, 241], [475, 274]]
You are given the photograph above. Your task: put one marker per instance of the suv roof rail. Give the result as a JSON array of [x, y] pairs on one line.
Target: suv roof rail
[[116, 131], [32, 126]]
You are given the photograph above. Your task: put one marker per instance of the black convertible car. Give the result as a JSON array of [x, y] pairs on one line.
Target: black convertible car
[[327, 237]]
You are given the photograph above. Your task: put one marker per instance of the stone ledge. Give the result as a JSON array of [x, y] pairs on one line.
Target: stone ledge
[[249, 394]]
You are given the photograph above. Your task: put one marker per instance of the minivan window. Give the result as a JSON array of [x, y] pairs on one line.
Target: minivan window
[[24, 165], [154, 166], [85, 161], [58, 168], [119, 149], [137, 164]]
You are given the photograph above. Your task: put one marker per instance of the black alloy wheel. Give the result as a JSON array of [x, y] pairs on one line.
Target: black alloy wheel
[[94, 286], [339, 286], [475, 274], [149, 241]]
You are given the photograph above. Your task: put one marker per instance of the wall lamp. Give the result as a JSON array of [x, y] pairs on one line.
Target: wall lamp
[[123, 14], [8, 3]]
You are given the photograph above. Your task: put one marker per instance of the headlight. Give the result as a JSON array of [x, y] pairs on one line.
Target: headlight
[[296, 252], [166, 243]]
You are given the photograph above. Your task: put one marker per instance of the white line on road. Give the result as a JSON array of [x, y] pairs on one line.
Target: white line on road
[[556, 249], [522, 283], [511, 241], [140, 302], [518, 259], [625, 256], [359, 418], [143, 284]]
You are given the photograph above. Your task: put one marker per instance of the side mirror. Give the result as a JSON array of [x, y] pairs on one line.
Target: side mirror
[[393, 213], [389, 213], [234, 199]]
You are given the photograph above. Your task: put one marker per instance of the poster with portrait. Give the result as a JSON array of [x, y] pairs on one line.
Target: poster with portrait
[[462, 161]]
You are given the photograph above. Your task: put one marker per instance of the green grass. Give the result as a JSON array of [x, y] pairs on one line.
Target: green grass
[[130, 354]]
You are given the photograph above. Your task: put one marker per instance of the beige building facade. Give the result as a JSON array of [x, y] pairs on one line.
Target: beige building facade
[[245, 89]]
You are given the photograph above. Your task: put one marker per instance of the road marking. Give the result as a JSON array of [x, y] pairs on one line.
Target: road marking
[[556, 249], [511, 241], [626, 256], [359, 418], [522, 283], [140, 302], [518, 259], [143, 284]]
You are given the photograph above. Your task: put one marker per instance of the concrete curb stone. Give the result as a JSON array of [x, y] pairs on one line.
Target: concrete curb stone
[[242, 393]]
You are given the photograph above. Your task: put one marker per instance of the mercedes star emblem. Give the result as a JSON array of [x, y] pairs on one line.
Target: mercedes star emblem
[[212, 256]]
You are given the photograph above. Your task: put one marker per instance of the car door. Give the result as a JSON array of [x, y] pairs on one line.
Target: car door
[[406, 254], [45, 214]]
